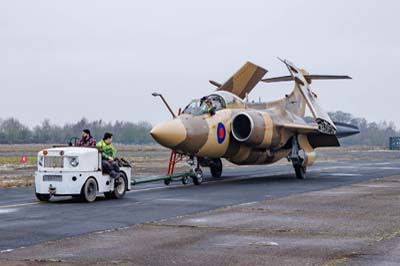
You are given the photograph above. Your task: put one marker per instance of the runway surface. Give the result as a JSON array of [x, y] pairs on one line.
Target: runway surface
[[25, 221]]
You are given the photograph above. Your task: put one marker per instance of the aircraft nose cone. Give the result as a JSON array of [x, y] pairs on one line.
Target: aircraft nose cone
[[169, 134]]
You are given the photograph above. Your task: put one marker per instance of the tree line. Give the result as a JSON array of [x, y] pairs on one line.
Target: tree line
[[12, 131]]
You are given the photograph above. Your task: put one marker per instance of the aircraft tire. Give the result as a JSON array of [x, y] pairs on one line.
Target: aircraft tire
[[300, 172], [216, 168], [185, 180], [198, 177]]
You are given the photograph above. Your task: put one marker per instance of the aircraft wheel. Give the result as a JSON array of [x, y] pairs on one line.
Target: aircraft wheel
[[216, 168], [167, 181], [120, 187], [185, 180], [89, 190], [43, 197], [300, 172], [198, 176]]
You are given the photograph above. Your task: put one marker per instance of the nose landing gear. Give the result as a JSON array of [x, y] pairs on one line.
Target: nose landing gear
[[197, 176], [196, 172], [196, 164]]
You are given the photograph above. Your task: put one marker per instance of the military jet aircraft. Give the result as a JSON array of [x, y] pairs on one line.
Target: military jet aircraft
[[225, 125]]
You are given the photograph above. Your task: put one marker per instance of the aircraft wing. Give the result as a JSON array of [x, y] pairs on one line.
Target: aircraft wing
[[243, 81], [314, 136], [301, 128], [318, 139]]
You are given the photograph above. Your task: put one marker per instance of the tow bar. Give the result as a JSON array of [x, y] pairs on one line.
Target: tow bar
[[184, 177]]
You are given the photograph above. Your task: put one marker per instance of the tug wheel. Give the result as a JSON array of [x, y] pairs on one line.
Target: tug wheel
[[120, 186], [43, 197], [89, 190]]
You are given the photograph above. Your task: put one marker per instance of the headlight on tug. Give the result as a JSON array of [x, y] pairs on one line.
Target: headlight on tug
[[74, 161]]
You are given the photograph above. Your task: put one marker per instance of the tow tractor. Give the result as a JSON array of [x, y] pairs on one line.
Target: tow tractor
[[77, 172]]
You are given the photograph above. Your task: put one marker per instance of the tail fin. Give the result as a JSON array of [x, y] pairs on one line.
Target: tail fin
[[243, 81], [325, 124]]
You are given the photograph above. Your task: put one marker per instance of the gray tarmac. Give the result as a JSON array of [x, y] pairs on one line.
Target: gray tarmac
[[345, 213]]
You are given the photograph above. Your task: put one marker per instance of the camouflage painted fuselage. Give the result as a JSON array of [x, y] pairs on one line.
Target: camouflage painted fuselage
[[211, 137], [264, 139], [253, 133]]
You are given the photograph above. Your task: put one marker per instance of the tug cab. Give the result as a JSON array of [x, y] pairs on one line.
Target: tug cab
[[77, 172]]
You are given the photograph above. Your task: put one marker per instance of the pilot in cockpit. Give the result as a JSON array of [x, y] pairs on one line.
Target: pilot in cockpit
[[207, 106]]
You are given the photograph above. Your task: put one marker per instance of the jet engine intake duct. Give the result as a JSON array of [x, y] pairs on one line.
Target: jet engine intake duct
[[249, 128], [242, 127]]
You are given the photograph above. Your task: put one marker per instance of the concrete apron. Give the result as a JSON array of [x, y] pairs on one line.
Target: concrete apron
[[340, 226]]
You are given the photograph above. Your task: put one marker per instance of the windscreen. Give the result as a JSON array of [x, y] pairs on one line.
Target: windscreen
[[200, 107]]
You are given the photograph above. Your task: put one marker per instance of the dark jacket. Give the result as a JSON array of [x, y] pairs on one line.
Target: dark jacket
[[90, 142]]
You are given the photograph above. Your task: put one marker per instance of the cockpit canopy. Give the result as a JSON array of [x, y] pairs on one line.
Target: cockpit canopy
[[218, 100]]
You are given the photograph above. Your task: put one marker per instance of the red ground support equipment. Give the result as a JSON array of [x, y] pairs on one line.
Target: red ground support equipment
[[172, 158]]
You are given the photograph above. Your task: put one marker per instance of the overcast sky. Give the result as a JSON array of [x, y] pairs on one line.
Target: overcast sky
[[64, 60]]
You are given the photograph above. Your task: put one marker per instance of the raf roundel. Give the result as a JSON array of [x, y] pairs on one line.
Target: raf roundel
[[221, 133]]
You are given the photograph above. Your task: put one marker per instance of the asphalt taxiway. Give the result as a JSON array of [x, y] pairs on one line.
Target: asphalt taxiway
[[28, 228]]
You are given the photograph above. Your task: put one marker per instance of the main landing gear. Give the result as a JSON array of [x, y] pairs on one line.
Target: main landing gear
[[216, 167], [297, 157]]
